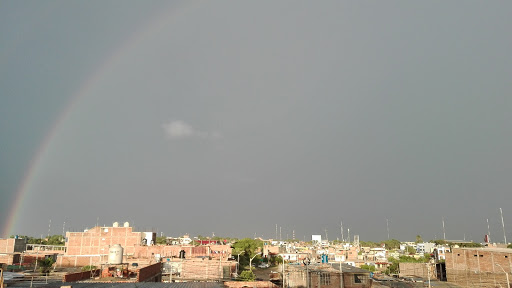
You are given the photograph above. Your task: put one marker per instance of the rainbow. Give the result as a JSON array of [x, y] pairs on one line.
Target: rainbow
[[41, 154]]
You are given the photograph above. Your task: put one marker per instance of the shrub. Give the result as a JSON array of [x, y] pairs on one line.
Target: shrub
[[247, 276]]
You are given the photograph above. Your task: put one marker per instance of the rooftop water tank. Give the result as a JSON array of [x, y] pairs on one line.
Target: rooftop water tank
[[126, 224], [115, 254], [116, 224]]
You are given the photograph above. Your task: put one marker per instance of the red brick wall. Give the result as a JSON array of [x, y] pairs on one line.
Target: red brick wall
[[480, 260], [255, 284], [79, 261], [7, 245], [6, 259], [169, 251], [73, 277], [97, 240], [477, 267], [149, 272]]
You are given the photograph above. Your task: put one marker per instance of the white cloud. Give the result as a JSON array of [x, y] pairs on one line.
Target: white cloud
[[180, 130]]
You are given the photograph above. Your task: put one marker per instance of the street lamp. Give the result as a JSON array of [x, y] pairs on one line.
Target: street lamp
[[306, 263], [250, 261], [506, 274], [238, 261]]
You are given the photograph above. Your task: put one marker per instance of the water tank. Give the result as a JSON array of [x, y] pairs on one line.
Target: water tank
[[116, 224], [115, 254], [126, 224]]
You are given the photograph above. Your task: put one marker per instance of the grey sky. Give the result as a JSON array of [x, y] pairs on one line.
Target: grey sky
[[231, 117]]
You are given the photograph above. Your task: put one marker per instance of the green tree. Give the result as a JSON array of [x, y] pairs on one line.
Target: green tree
[[419, 239], [370, 268], [394, 267], [509, 246], [439, 242], [88, 268], [275, 260], [247, 275], [391, 244], [250, 247], [54, 240], [161, 240], [471, 245], [410, 250], [45, 265], [370, 244]]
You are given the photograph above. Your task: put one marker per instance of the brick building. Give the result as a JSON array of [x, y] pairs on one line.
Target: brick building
[[198, 269], [96, 240], [11, 249], [326, 276], [479, 267]]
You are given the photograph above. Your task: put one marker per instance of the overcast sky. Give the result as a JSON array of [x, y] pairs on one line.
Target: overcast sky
[[230, 117]]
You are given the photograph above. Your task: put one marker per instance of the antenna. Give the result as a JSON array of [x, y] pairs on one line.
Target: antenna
[[342, 239], [387, 227], [280, 233], [444, 232], [488, 231], [348, 231], [503, 224], [293, 234], [326, 237], [276, 231]]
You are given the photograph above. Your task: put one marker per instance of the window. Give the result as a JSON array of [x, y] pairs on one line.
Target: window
[[458, 254], [325, 279], [506, 256], [481, 255], [360, 278]]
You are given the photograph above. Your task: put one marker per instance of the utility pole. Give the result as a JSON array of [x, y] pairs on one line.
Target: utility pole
[[306, 263], [49, 227], [341, 276], [503, 224]]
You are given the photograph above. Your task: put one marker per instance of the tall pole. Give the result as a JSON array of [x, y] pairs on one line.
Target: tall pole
[[276, 232], [387, 227], [341, 276], [342, 239], [428, 271], [444, 232], [503, 224], [488, 231], [282, 282], [49, 226]]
